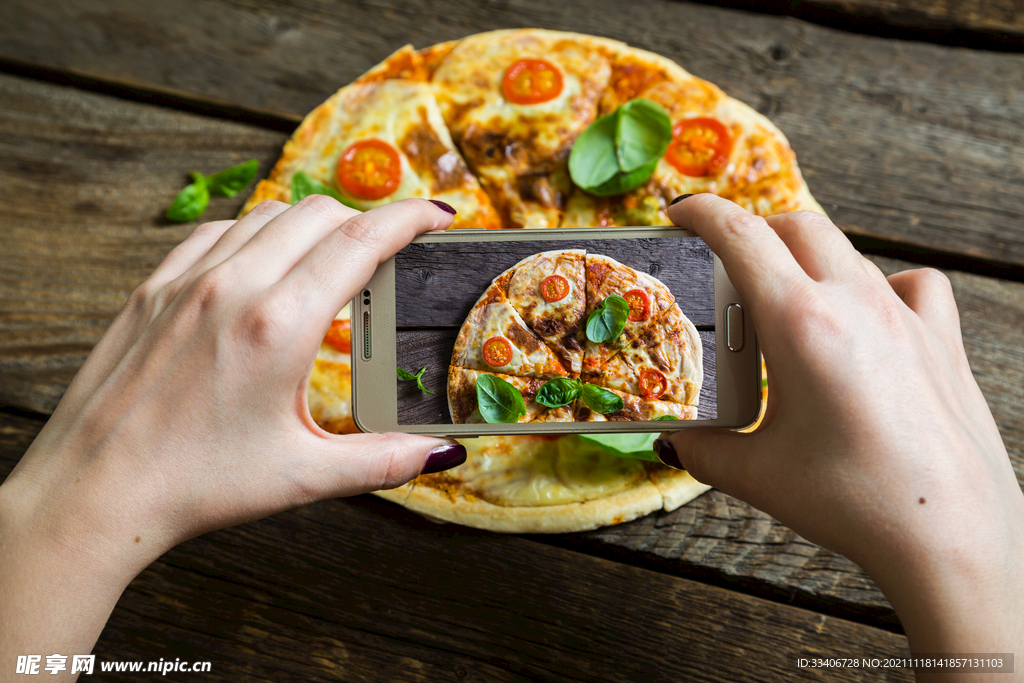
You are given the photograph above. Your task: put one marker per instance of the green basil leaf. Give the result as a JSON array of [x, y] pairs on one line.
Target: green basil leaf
[[405, 375], [624, 182], [637, 446], [419, 381], [303, 186], [593, 159], [642, 134], [558, 392], [190, 202], [608, 320], [231, 181], [601, 400], [666, 417], [498, 401]]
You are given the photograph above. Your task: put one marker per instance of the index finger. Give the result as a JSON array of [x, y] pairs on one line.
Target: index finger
[[343, 261], [757, 260]]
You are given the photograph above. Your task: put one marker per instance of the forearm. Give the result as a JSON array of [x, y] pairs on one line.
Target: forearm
[[58, 582]]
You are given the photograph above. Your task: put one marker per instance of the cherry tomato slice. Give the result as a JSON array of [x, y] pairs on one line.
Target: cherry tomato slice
[[639, 304], [653, 384], [497, 351], [369, 169], [699, 147], [340, 335], [554, 288], [532, 81]]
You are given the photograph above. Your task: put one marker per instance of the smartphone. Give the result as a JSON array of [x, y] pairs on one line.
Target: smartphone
[[455, 306]]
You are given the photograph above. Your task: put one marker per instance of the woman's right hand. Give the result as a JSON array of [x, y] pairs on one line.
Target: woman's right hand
[[877, 442]]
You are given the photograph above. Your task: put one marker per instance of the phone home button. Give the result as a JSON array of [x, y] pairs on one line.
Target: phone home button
[[734, 327]]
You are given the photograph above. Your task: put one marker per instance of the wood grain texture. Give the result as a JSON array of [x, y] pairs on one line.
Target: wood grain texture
[[989, 16], [433, 349], [85, 180], [438, 284], [910, 142], [362, 590]]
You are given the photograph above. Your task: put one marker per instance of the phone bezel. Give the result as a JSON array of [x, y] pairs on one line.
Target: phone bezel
[[738, 373]]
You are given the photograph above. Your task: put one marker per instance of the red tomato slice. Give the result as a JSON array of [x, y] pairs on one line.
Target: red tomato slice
[[653, 384], [497, 351], [639, 304], [370, 169], [699, 147], [554, 288], [340, 335], [532, 81]]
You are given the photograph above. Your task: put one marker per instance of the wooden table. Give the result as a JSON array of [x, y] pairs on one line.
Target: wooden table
[[911, 142]]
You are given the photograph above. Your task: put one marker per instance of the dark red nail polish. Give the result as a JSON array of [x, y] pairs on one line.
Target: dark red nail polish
[[443, 206], [679, 199], [444, 458], [666, 452]]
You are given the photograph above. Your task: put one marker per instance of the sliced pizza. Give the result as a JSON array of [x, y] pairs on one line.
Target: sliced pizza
[[329, 394], [549, 291], [647, 297], [515, 100], [494, 338], [463, 405], [376, 142], [664, 363]]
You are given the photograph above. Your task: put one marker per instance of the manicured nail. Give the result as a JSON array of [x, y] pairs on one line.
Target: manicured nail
[[444, 458], [444, 207], [679, 199], [666, 452]]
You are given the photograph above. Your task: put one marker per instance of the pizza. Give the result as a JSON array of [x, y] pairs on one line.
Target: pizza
[[654, 361], [487, 124]]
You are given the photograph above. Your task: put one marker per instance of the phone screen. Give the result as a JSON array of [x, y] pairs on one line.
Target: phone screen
[[437, 289]]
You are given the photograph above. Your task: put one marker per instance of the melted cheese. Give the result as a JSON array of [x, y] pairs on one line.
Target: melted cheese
[[502, 320], [405, 115], [529, 471]]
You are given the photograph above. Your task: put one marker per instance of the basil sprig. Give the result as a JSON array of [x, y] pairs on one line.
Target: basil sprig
[[601, 400], [303, 186], [193, 200], [559, 392], [407, 376], [608, 320], [666, 417], [498, 401], [619, 151]]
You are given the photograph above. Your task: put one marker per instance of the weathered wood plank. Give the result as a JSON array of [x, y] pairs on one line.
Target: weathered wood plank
[[438, 284], [85, 180], [906, 141], [989, 16], [433, 349], [361, 590]]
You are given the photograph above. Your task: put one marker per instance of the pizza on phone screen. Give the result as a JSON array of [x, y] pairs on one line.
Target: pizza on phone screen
[[504, 126]]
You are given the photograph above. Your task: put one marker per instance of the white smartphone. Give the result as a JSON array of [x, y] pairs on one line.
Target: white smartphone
[[473, 332]]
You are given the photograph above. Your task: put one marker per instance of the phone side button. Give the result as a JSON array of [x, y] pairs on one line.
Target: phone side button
[[734, 327]]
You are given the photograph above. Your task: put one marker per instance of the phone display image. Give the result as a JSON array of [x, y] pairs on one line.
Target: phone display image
[[542, 331]]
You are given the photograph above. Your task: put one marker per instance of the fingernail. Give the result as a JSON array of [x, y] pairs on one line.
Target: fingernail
[[679, 199], [666, 452], [444, 458], [444, 207]]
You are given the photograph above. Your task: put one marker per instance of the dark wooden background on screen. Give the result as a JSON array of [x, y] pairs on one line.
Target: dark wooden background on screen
[[905, 116], [436, 285]]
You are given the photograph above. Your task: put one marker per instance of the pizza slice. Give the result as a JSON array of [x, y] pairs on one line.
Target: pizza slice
[[665, 363], [719, 145], [462, 398], [494, 338], [329, 394], [378, 141], [549, 291], [647, 297], [515, 100], [635, 408]]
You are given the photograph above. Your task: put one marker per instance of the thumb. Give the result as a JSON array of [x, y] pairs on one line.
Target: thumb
[[712, 456], [360, 463]]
